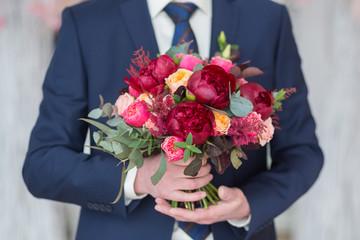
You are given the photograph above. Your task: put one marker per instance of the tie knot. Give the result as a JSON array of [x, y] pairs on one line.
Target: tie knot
[[180, 12]]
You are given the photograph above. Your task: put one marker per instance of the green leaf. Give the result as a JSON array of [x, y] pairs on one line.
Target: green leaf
[[135, 143], [118, 148], [130, 166], [123, 139], [106, 145], [95, 113], [181, 144], [195, 149], [176, 50], [97, 136], [198, 67], [240, 106], [235, 158], [161, 170], [110, 132], [114, 121], [125, 152], [107, 109], [123, 176], [189, 139], [137, 157], [149, 147], [193, 168], [176, 98], [186, 154]]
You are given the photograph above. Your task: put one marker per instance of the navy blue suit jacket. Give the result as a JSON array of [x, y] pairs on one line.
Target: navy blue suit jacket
[[95, 45]]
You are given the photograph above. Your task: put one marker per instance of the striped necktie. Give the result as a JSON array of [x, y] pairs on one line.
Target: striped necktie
[[180, 14]]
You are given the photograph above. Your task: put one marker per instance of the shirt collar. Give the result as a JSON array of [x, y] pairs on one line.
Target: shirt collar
[[156, 6]]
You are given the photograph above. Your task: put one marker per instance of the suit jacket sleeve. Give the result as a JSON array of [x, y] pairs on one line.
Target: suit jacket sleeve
[[296, 156], [55, 166]]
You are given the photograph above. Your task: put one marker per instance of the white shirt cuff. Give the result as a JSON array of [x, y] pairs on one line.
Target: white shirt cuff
[[242, 222], [129, 191]]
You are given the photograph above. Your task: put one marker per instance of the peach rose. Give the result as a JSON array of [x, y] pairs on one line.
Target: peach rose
[[177, 79], [222, 122], [268, 133], [122, 103], [144, 97]]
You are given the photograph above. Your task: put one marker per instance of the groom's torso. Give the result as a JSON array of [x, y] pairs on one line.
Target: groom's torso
[[108, 33]]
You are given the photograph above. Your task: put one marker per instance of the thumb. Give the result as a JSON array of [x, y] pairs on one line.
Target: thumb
[[226, 193]]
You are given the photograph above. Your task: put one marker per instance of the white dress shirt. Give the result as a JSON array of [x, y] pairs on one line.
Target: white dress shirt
[[200, 22]]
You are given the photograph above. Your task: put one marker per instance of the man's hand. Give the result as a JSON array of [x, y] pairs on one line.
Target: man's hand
[[173, 182], [233, 205]]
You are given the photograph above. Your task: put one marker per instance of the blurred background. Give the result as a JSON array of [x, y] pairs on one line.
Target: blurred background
[[328, 38]]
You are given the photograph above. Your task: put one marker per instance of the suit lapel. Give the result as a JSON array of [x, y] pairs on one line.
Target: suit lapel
[[224, 18], [137, 19]]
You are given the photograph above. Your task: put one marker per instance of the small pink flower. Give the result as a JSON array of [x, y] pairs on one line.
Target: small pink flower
[[151, 125], [242, 81], [226, 64], [173, 153], [267, 134], [136, 114], [133, 92], [189, 61], [123, 102]]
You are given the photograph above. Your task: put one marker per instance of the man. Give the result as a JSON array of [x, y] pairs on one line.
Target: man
[[94, 49]]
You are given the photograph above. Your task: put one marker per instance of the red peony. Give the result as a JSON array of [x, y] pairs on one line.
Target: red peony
[[211, 86], [191, 117], [262, 100], [151, 78], [136, 114]]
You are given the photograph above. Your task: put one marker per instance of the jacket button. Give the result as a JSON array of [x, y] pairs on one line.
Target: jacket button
[[90, 205], [102, 207], [96, 207], [108, 208]]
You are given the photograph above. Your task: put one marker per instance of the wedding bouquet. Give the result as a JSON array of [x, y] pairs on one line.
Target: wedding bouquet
[[181, 105]]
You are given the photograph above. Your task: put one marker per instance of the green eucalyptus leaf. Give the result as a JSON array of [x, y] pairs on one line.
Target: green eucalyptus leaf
[[123, 177], [109, 131], [161, 170], [137, 157], [150, 147], [125, 152], [95, 113], [106, 145], [130, 166], [193, 168], [114, 121], [97, 136], [176, 50], [107, 109], [118, 148], [198, 67], [235, 158], [240, 106]]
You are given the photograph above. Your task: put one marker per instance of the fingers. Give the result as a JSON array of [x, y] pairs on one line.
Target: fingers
[[181, 196], [194, 183]]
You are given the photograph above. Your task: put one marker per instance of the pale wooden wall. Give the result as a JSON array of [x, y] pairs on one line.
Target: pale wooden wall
[[328, 40]]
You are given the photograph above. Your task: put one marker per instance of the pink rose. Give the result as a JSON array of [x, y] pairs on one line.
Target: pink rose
[[136, 114], [173, 153], [226, 64], [123, 102], [189, 61], [267, 134]]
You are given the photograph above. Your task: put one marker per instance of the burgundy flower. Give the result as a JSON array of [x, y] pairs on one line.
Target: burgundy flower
[[262, 100], [151, 78], [211, 86], [191, 117]]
